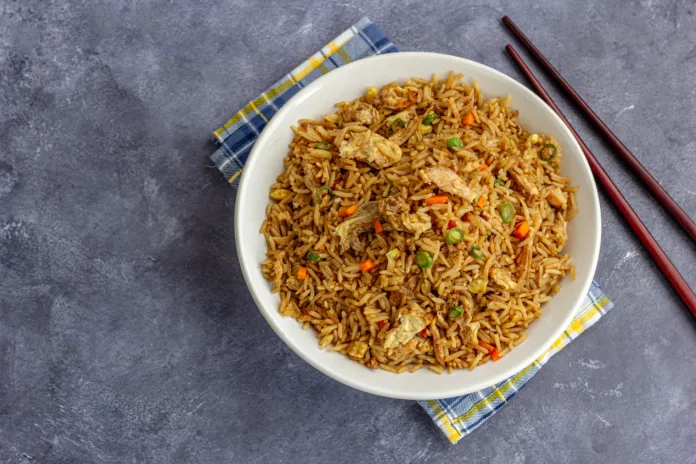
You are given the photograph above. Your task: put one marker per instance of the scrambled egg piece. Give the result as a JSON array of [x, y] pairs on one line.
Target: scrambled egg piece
[[359, 222], [503, 278], [412, 320], [557, 197], [396, 212], [448, 181], [357, 349], [371, 148]]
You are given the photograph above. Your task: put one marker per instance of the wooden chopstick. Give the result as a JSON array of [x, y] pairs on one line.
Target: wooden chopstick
[[671, 272], [653, 185]]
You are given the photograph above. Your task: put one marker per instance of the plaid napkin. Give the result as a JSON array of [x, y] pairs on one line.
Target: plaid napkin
[[456, 417]]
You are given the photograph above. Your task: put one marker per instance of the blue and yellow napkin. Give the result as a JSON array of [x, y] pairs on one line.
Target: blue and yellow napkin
[[456, 417]]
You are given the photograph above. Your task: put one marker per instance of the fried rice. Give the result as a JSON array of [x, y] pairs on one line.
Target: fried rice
[[419, 226]]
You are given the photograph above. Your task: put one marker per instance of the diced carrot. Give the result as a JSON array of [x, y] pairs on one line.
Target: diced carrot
[[481, 201], [367, 265], [423, 333], [488, 347], [302, 273], [381, 324], [437, 200], [451, 224], [347, 211], [495, 355], [483, 167], [378, 226], [522, 230], [469, 118]]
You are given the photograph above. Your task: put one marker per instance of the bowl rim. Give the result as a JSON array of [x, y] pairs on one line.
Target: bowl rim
[[329, 370]]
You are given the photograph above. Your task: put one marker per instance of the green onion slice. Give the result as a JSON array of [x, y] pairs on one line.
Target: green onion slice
[[506, 211], [395, 121], [323, 145], [455, 312], [313, 257], [454, 236], [454, 142], [500, 182], [321, 189], [428, 120], [545, 149], [424, 260], [476, 252]]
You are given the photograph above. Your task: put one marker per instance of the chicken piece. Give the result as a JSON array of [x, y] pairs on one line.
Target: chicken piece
[[357, 349], [370, 148], [293, 283], [449, 181], [412, 319], [360, 221], [278, 269], [469, 333], [407, 347], [399, 297], [403, 135], [524, 259], [503, 278], [395, 98], [361, 112], [557, 197], [526, 184], [395, 211]]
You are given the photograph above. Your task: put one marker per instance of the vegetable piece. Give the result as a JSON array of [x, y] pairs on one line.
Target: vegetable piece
[[469, 118], [428, 120], [476, 252], [455, 312], [521, 230], [378, 226], [436, 200], [506, 211], [454, 236], [381, 324], [483, 167], [335, 183], [424, 333], [500, 182], [481, 201], [451, 224], [367, 265], [548, 152], [302, 273], [495, 355], [397, 121], [425, 130], [347, 211], [323, 145], [279, 194], [371, 94], [393, 254], [321, 189], [534, 138], [424, 260], [454, 142], [485, 345], [313, 257], [477, 286], [389, 191]]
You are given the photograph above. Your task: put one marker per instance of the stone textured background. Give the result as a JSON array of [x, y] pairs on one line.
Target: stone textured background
[[126, 331]]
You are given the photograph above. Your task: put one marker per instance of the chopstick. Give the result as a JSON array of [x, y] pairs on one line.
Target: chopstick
[[648, 241], [653, 185]]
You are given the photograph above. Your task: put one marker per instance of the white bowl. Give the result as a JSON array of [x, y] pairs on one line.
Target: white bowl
[[347, 83]]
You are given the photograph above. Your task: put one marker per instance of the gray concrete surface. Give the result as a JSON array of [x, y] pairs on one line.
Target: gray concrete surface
[[126, 331]]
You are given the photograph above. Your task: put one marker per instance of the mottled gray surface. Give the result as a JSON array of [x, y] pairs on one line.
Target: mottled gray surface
[[126, 331]]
